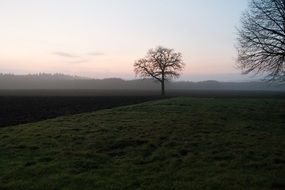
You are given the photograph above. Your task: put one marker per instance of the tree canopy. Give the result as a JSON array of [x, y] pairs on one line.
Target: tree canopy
[[261, 41]]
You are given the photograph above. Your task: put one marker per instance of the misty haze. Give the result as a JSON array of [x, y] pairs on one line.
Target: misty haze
[[172, 94]]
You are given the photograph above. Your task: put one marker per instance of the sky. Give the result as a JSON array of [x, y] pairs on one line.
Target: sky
[[103, 38]]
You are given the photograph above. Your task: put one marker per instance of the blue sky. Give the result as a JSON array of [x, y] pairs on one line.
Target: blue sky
[[102, 38]]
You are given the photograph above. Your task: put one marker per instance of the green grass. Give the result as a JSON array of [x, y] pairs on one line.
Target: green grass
[[180, 143]]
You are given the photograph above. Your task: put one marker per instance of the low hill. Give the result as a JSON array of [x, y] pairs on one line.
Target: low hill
[[180, 143]]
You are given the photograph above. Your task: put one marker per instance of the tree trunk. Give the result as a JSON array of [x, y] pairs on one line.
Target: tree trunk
[[162, 88]]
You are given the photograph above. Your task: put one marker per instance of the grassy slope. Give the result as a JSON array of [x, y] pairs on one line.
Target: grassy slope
[[180, 143]]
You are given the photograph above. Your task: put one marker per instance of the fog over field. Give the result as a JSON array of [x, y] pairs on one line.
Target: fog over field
[[61, 81], [142, 94]]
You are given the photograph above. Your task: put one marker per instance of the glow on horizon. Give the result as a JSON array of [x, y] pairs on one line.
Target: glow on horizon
[[103, 38]]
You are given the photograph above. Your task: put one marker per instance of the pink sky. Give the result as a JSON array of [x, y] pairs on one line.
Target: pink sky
[[103, 38]]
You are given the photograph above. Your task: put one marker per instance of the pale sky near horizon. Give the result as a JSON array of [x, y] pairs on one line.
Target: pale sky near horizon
[[103, 38]]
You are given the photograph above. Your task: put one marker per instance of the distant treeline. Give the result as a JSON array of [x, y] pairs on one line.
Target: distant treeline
[[61, 81]]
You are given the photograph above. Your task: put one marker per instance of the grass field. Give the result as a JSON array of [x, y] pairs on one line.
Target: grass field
[[179, 143]]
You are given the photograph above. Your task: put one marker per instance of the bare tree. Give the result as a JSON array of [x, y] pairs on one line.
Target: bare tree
[[161, 64], [261, 41]]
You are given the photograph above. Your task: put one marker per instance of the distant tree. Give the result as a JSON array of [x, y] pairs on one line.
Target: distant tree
[[261, 41], [161, 64]]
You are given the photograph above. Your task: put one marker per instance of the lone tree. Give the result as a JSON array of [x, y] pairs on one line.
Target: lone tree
[[161, 64], [261, 41]]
